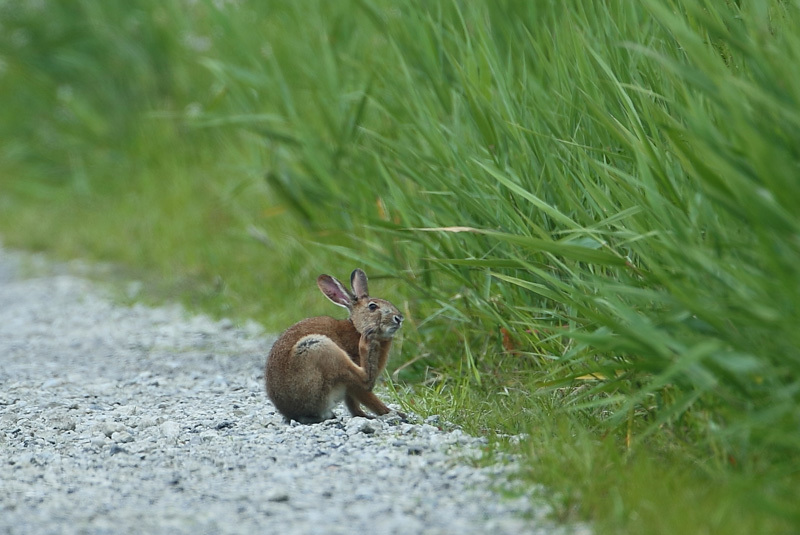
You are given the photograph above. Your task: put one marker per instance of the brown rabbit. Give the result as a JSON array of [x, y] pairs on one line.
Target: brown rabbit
[[321, 361]]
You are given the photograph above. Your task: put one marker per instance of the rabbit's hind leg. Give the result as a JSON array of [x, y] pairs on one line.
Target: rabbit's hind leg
[[370, 400], [354, 407]]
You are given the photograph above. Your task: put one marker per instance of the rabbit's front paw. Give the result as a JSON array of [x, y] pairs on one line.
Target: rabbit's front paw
[[371, 335]]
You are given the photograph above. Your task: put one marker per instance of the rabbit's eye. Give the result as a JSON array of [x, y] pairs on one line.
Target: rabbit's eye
[[373, 306]]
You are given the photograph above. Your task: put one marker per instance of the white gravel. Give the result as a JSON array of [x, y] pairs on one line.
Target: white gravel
[[118, 419]]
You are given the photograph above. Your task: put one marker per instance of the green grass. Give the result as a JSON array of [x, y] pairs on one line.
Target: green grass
[[587, 210]]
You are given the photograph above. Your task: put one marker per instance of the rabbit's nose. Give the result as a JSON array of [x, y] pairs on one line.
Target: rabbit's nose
[[398, 319]]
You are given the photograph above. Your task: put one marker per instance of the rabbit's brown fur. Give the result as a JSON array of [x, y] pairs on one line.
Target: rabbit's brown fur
[[320, 361]]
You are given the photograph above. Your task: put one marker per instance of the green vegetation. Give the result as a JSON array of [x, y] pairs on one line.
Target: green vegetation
[[588, 210]]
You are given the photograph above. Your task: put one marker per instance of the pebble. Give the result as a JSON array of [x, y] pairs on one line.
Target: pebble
[[133, 419]]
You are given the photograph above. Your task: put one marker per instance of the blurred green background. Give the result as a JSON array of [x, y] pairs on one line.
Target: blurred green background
[[587, 210]]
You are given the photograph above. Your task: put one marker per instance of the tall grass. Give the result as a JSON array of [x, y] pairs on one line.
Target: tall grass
[[610, 186], [590, 205]]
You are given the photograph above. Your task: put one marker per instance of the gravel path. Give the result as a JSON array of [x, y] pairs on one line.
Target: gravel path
[[121, 419]]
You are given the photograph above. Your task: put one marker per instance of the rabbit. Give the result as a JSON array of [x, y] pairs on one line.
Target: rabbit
[[321, 361]]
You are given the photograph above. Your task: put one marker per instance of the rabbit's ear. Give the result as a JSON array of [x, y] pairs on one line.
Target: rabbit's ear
[[334, 291], [358, 281]]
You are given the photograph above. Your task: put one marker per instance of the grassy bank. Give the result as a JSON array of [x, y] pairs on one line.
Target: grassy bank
[[587, 211]]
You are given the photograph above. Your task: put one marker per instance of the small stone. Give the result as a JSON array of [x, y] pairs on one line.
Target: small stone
[[393, 419], [64, 423], [117, 449], [122, 437], [170, 429], [360, 425], [433, 419], [146, 421], [109, 428], [278, 496], [369, 428], [427, 429], [415, 450], [50, 383]]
